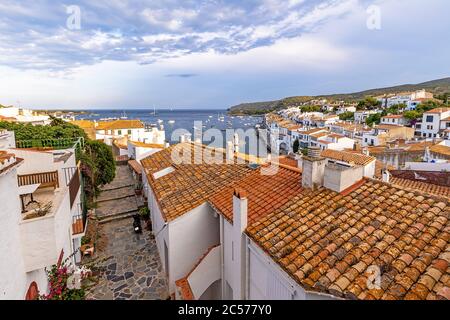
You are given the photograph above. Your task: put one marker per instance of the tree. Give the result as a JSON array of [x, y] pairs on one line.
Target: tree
[[347, 116], [296, 146], [369, 103], [58, 129], [373, 119], [97, 165]]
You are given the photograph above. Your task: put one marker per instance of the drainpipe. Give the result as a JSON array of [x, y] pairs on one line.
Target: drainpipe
[[222, 257], [247, 269]]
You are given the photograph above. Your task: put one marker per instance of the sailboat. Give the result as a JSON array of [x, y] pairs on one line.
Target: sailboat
[[154, 111], [124, 116]]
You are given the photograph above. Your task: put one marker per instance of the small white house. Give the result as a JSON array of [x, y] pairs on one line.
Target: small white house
[[35, 236], [396, 120], [133, 130], [432, 121]]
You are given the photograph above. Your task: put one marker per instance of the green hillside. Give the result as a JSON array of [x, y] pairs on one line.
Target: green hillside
[[437, 87]]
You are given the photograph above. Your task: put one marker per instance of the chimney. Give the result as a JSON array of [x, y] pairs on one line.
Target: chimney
[[236, 143], [365, 151], [166, 145], [313, 169], [386, 176], [182, 138], [341, 176], [230, 152], [238, 253]]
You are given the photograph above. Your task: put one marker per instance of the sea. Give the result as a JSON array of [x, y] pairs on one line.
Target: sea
[[171, 120]]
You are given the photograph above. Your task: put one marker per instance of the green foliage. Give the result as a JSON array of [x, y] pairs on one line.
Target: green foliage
[[369, 103], [144, 212], [311, 108], [58, 129], [296, 146], [395, 109], [373, 119], [58, 289], [412, 115], [347, 116], [85, 240], [98, 166]]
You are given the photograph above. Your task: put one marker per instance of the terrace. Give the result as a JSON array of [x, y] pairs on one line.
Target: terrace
[[50, 192]]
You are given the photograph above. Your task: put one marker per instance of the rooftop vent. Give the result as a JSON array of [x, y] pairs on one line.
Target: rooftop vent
[[314, 152], [254, 166]]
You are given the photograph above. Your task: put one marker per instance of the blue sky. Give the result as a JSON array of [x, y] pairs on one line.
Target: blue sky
[[213, 53]]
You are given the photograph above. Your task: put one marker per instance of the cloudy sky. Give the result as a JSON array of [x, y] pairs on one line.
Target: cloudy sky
[[213, 53]]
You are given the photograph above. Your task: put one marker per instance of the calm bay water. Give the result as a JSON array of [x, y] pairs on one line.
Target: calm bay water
[[179, 119]]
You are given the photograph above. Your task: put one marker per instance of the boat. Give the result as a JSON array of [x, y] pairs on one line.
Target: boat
[[171, 121], [160, 121], [154, 111], [124, 116]]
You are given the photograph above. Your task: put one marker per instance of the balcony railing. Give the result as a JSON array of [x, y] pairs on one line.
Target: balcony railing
[[45, 179]]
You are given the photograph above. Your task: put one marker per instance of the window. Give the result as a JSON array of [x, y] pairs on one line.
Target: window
[[448, 125], [119, 132], [129, 132], [430, 118]]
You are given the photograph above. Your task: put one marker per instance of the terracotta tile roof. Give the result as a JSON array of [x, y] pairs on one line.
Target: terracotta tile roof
[[147, 145], [120, 124], [189, 185], [312, 131], [335, 135], [183, 283], [87, 126], [120, 144], [422, 186], [135, 166], [287, 161], [5, 158], [440, 149], [358, 159], [328, 242], [439, 110], [265, 192], [393, 116], [319, 134]]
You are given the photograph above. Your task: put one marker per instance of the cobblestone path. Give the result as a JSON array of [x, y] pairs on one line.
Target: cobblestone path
[[132, 265]]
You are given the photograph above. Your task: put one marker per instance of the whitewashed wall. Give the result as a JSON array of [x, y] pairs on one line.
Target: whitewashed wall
[[267, 281], [14, 281], [190, 236]]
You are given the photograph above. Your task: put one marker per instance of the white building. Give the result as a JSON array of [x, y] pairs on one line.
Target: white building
[[361, 116], [397, 120], [24, 116], [333, 142], [41, 218], [7, 139], [185, 226], [344, 109], [293, 235], [133, 130], [435, 122]]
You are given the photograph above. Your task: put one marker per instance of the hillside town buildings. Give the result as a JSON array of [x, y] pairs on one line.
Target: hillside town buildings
[[314, 231], [42, 218], [21, 115]]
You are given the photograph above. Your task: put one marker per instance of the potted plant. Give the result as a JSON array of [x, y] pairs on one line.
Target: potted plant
[[144, 212]]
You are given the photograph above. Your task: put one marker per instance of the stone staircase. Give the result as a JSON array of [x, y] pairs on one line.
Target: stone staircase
[[117, 200]]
